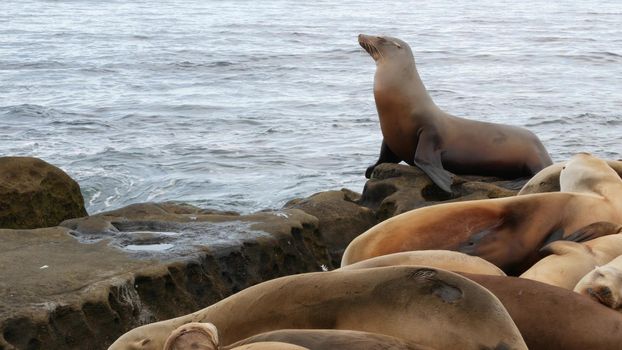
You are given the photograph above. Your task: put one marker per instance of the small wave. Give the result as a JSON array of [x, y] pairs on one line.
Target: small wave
[[592, 57], [37, 65], [29, 111], [555, 121]]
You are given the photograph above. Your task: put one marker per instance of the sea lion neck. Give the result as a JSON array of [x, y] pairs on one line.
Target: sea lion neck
[[401, 82]]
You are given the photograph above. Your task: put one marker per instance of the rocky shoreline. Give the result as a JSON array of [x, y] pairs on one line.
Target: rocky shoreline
[[79, 282]]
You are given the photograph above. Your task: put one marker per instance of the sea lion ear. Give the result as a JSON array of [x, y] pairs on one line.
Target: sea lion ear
[[562, 248], [396, 44]]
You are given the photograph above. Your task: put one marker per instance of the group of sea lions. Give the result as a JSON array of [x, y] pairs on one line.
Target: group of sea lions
[[437, 277]]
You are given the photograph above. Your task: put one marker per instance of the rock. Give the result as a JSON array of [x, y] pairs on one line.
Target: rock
[[35, 194], [340, 217], [85, 283], [395, 188]]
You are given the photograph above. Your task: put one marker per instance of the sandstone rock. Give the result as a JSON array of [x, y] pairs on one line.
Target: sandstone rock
[[340, 217], [396, 188], [35, 194], [82, 285]]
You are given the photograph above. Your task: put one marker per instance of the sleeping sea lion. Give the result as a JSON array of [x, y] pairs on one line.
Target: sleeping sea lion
[[440, 259], [507, 231], [570, 261], [552, 318], [329, 339], [427, 306], [604, 284]]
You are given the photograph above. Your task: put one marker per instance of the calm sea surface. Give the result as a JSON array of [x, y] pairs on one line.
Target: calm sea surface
[[243, 105]]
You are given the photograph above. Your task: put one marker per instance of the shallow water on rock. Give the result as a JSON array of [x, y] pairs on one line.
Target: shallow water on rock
[[243, 105]]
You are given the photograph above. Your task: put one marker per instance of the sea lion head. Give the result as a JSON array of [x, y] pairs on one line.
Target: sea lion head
[[383, 48], [604, 285], [194, 335]]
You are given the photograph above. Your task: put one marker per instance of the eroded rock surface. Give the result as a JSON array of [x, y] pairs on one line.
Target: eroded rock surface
[[395, 188], [340, 218], [35, 194], [82, 285]]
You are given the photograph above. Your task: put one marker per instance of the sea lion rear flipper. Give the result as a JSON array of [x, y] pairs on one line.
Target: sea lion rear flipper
[[386, 156], [591, 231], [428, 159]]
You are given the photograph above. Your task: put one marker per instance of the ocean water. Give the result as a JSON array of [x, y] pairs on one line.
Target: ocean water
[[242, 105]]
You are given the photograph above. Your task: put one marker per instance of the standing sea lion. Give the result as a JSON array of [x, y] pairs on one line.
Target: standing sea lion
[[507, 231], [431, 307], [419, 133]]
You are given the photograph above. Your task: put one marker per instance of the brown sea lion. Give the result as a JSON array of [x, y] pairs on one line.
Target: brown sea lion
[[547, 180], [604, 284], [551, 318], [440, 259], [570, 261], [432, 307], [507, 231], [193, 336], [329, 339], [271, 345], [419, 133]]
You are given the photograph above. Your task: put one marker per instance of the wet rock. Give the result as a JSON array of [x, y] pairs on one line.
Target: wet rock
[[83, 284], [340, 218], [35, 194], [396, 188]]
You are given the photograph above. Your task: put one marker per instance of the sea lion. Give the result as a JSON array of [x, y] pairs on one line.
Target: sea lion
[[419, 133], [570, 261], [508, 232], [552, 318], [432, 307], [271, 345], [604, 284], [204, 336], [547, 180], [193, 336], [329, 339], [441, 259]]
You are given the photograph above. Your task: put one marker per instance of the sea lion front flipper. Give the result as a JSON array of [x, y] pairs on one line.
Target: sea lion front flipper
[[386, 156], [428, 159], [562, 248], [591, 231]]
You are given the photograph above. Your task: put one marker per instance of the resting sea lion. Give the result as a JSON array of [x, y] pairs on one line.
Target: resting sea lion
[[551, 318], [547, 180], [419, 133], [432, 307], [441, 259], [269, 346], [570, 261], [193, 336], [604, 284], [508, 232], [329, 339]]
